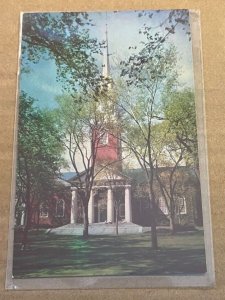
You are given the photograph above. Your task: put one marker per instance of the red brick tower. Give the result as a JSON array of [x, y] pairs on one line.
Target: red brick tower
[[108, 145]]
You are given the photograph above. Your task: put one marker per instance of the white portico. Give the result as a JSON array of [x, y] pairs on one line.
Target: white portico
[[102, 203]]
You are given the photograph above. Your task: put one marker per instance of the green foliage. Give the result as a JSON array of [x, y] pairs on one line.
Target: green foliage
[[62, 37], [152, 70], [152, 67], [38, 152], [179, 111], [80, 123], [77, 123]]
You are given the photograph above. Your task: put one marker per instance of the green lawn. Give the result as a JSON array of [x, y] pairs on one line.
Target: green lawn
[[54, 256]]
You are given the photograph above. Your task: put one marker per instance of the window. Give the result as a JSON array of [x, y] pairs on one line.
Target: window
[[60, 208], [163, 206], [181, 208], [43, 210], [103, 138]]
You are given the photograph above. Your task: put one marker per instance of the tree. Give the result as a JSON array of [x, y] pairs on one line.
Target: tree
[[150, 71], [173, 143], [38, 157], [180, 115], [167, 152], [63, 38], [171, 20], [82, 127], [179, 112]]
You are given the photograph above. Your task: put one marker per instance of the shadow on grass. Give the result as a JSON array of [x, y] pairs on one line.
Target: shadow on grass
[[58, 256]]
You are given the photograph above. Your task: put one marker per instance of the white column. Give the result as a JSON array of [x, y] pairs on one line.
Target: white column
[[128, 209], [73, 214], [91, 208], [22, 219], [110, 206]]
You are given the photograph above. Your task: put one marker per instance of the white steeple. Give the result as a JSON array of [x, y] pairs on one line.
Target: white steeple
[[106, 65], [106, 103]]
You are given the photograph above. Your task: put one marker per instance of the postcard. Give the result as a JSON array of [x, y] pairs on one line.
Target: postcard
[[110, 182]]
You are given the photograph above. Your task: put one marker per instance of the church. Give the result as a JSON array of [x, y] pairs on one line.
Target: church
[[117, 195]]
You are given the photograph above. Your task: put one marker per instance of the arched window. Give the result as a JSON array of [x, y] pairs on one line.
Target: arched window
[[60, 208], [43, 210]]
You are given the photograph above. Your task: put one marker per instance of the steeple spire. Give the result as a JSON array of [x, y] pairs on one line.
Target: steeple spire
[[106, 66]]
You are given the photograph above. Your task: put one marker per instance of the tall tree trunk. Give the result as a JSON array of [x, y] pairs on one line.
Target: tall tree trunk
[[172, 216], [117, 213], [38, 218], [172, 224], [153, 219], [86, 223], [28, 214], [28, 209], [153, 209], [154, 231], [24, 240], [198, 199]]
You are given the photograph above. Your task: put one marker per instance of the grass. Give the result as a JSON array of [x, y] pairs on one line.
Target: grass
[[59, 256]]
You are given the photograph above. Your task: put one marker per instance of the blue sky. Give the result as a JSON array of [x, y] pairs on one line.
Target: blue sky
[[123, 28]]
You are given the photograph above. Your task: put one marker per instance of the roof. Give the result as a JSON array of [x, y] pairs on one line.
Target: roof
[[70, 176], [139, 174], [67, 175]]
